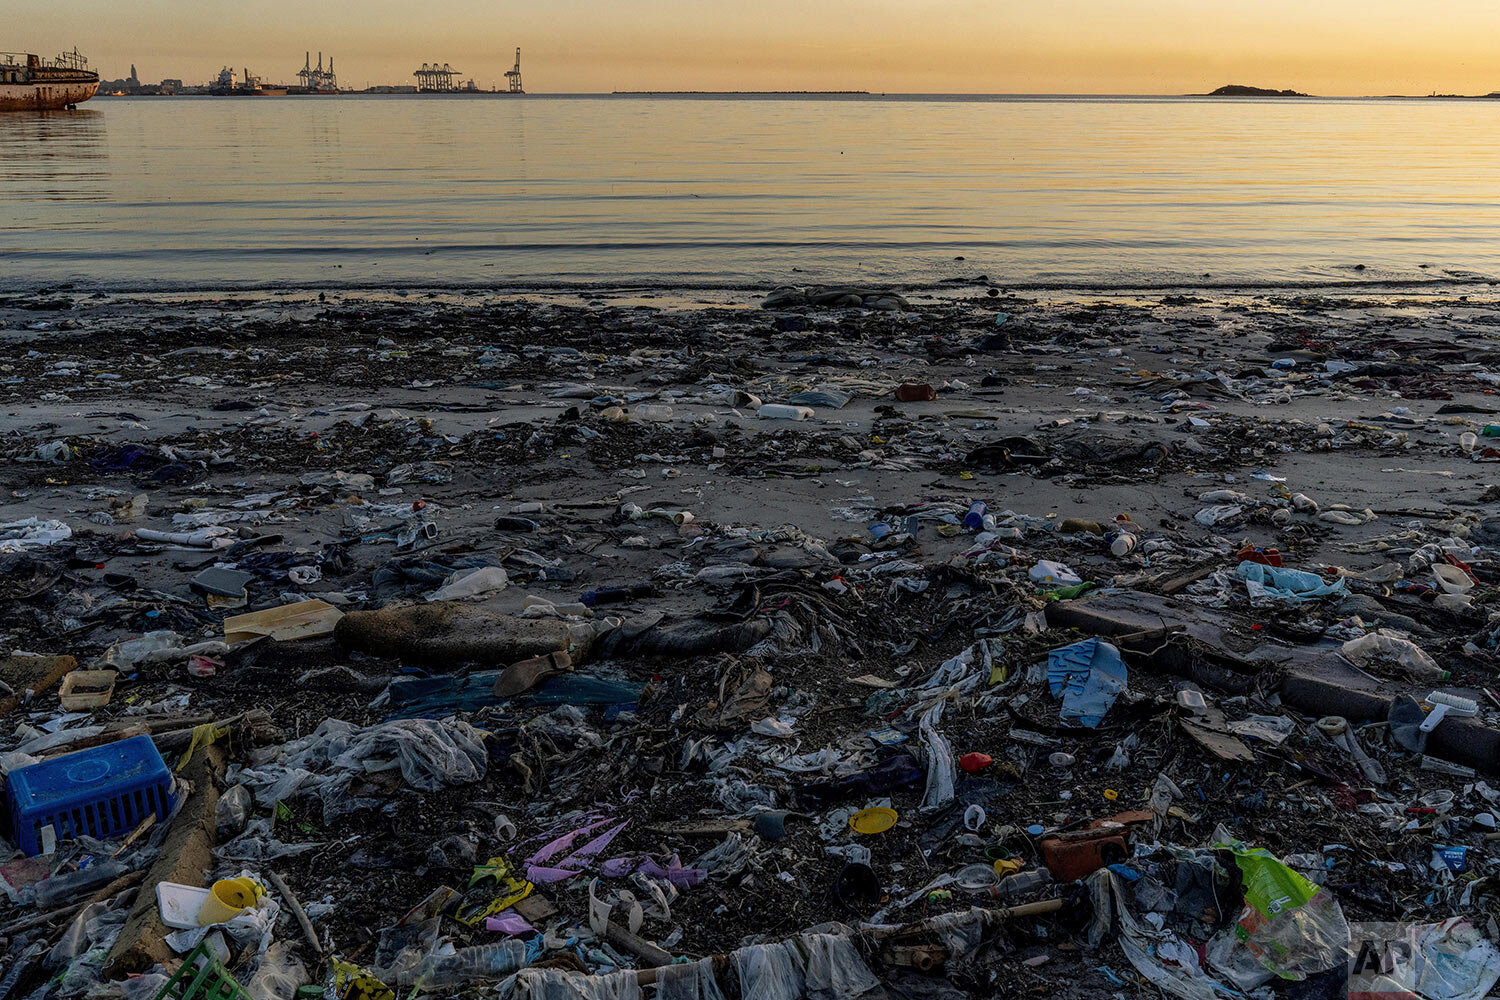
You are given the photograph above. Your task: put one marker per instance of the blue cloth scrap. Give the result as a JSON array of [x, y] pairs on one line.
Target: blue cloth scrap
[[1088, 676], [1282, 584]]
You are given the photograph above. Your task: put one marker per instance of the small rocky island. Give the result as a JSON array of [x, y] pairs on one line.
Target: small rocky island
[[1237, 90]]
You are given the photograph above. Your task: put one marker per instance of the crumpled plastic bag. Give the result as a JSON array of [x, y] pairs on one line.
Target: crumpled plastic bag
[[1289, 928], [234, 810], [1222, 514], [279, 975], [1384, 647], [471, 583], [1267, 583], [32, 533], [431, 754], [1145, 945], [1088, 676], [258, 844]]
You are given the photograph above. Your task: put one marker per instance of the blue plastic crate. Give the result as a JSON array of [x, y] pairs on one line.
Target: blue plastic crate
[[102, 792]]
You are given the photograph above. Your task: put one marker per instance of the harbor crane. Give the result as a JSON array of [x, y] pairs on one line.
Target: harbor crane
[[437, 78], [513, 76]]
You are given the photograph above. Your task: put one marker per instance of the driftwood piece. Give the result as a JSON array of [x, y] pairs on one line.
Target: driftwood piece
[[31, 673], [290, 899], [186, 856]]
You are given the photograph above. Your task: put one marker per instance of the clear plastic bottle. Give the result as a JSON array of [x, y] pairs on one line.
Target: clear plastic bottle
[[1023, 882], [60, 888], [486, 962]]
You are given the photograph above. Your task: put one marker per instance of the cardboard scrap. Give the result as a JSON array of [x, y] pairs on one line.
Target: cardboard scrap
[[287, 623]]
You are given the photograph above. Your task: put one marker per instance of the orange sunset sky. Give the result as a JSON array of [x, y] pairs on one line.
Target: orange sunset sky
[[1332, 47]]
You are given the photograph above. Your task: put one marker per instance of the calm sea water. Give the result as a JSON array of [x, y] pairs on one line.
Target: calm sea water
[[195, 192]]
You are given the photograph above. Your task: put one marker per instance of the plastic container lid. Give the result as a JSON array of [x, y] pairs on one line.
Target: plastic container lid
[[1191, 699], [180, 904], [876, 820], [976, 877]]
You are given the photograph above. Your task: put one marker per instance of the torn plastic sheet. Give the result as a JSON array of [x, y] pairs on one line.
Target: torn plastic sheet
[[1088, 676], [691, 981], [967, 671], [775, 971], [1150, 949], [1268, 583], [672, 871], [938, 756], [576, 862], [431, 755], [835, 970], [561, 984], [632, 914]]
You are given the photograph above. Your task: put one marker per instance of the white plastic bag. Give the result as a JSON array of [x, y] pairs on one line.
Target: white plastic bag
[[1289, 928], [471, 583], [1384, 647]]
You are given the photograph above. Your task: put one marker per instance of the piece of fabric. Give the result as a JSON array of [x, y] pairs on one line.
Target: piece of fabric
[[1282, 584], [1088, 676]]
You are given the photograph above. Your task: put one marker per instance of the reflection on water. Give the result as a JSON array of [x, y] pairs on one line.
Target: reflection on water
[[392, 190], [54, 156]]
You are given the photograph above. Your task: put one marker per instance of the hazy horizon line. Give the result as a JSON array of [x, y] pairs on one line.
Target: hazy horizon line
[[852, 94]]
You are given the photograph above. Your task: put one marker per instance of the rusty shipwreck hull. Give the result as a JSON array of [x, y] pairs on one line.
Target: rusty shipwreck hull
[[45, 95]]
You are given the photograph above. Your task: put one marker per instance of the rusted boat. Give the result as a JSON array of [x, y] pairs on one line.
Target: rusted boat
[[31, 83]]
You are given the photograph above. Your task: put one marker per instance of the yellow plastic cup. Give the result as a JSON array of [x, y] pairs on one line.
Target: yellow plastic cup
[[228, 898]]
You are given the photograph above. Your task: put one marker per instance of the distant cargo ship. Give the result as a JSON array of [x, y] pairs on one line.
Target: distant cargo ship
[[37, 84]]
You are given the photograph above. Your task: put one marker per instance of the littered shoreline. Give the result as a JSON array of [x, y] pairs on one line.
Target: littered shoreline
[[318, 419]]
